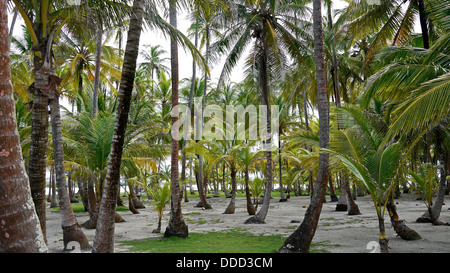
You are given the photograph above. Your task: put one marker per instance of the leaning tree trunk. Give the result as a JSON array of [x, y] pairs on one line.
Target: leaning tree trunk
[[265, 94], [301, 239], [177, 227], [104, 233], [71, 229], [20, 230], [399, 225], [232, 205]]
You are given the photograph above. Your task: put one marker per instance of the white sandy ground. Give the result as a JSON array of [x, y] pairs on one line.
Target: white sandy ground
[[338, 231]]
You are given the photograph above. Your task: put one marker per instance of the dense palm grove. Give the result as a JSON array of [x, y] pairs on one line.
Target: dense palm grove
[[362, 93]]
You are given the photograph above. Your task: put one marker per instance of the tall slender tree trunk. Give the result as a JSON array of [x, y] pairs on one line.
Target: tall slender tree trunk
[[39, 134], [177, 227], [250, 208], [52, 188], [280, 171], [71, 229], [423, 24], [104, 233], [202, 193], [98, 60], [265, 95], [20, 230], [191, 99], [300, 240]]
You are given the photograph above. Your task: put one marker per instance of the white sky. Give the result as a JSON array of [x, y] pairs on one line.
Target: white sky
[[153, 38]]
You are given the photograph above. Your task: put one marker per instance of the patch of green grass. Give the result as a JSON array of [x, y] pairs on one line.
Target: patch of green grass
[[80, 208], [229, 241]]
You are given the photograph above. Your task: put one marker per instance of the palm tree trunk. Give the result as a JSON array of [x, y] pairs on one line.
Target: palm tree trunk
[[399, 225], [191, 99], [177, 227], [383, 241], [282, 196], [104, 233], [52, 186], [265, 94], [423, 24], [250, 208], [98, 60], [232, 205], [39, 137], [20, 229], [301, 239], [71, 229], [224, 187]]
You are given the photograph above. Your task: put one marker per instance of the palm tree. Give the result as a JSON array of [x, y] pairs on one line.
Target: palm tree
[[177, 227], [160, 196], [425, 185], [389, 21], [104, 233], [154, 60], [269, 25], [71, 229], [21, 231], [44, 20], [300, 240]]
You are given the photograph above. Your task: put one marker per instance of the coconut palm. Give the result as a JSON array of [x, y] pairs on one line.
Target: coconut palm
[[104, 235], [425, 184], [389, 22], [44, 20], [269, 26], [161, 196]]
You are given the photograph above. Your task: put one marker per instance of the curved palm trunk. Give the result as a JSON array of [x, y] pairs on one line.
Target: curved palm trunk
[[71, 229], [399, 225], [20, 230], [232, 205], [301, 239], [104, 233], [264, 81], [177, 227]]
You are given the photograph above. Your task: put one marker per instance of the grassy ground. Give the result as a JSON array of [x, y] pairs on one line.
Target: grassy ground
[[230, 241]]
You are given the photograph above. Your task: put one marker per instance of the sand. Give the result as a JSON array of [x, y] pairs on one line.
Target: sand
[[338, 232]]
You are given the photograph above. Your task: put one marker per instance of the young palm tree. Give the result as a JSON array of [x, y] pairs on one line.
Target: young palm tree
[[20, 228], [426, 186], [160, 196]]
